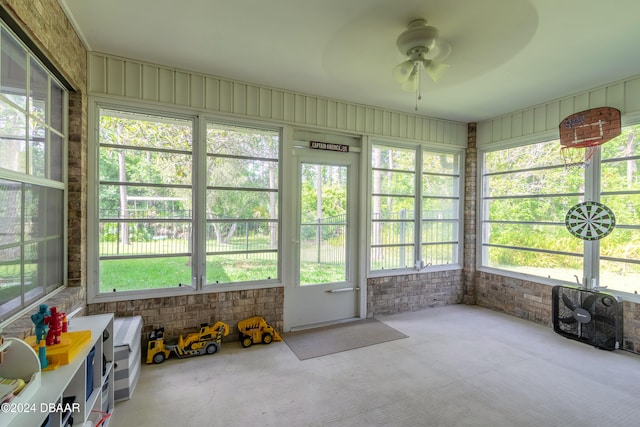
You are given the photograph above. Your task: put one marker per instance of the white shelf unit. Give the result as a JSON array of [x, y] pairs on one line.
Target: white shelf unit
[[71, 380]]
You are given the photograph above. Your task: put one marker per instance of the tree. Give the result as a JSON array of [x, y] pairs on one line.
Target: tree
[[142, 156], [242, 170]]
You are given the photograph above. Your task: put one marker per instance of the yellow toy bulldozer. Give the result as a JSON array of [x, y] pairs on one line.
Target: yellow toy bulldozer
[[207, 341], [256, 330]]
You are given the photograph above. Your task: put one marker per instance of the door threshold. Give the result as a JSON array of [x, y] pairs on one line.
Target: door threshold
[[322, 324]]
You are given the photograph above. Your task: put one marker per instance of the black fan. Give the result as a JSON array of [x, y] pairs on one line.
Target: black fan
[[591, 317]]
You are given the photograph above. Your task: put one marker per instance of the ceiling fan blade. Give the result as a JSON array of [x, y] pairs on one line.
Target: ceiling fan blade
[[435, 70], [402, 71], [439, 52], [411, 84]]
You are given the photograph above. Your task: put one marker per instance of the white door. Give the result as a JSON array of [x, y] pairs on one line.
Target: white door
[[326, 276]]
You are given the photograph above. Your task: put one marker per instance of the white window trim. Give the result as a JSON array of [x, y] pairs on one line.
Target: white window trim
[[419, 148], [591, 250], [24, 178], [200, 123]]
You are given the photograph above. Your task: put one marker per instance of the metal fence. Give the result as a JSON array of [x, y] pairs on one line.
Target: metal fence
[[393, 239], [324, 241], [139, 234]]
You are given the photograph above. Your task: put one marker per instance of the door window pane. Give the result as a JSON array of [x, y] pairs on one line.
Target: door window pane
[[323, 224]]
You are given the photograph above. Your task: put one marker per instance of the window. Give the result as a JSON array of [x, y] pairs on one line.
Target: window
[[620, 191], [241, 204], [32, 183], [440, 208], [145, 201], [415, 208], [393, 202], [526, 193], [155, 233]]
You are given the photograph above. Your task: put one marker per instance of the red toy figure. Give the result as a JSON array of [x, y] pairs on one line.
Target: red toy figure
[[54, 321]]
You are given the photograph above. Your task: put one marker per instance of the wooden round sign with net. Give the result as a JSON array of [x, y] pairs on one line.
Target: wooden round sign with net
[[590, 221], [582, 132]]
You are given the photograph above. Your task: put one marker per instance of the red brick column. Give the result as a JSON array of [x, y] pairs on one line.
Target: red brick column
[[470, 198]]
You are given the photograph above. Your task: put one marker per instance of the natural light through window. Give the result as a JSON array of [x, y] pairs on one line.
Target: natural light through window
[[145, 201], [415, 197], [526, 194], [32, 184]]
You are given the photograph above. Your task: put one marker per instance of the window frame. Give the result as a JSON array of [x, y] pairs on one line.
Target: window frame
[[591, 254], [420, 148], [198, 283], [483, 247], [261, 190], [157, 117], [52, 176]]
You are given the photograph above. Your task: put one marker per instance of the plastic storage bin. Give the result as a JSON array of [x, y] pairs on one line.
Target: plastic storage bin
[[90, 362]]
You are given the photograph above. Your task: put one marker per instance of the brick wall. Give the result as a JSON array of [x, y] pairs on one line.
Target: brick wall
[[520, 298], [631, 326], [410, 292], [470, 196], [65, 301], [48, 28], [77, 190], [183, 314], [532, 301]]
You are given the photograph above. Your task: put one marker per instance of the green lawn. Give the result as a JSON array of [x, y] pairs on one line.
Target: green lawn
[[156, 273], [144, 273]]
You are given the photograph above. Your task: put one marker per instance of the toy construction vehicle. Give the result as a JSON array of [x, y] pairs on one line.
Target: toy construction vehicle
[[207, 341], [255, 330]]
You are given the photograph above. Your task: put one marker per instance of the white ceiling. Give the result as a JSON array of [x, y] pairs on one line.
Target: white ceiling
[[507, 54]]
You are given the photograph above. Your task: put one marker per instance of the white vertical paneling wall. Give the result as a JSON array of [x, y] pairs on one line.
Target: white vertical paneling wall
[[544, 119], [135, 80]]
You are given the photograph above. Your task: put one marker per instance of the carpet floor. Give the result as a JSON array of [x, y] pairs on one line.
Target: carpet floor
[[459, 366]]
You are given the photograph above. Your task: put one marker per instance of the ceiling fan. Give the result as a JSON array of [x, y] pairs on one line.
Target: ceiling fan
[[425, 51]]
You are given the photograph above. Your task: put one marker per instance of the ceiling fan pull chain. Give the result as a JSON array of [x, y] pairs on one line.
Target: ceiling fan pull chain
[[418, 86], [423, 49]]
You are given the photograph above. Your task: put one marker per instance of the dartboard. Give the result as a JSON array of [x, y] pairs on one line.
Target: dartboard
[[590, 220]]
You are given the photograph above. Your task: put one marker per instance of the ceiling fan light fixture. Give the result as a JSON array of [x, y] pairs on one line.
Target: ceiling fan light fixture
[[435, 70], [403, 70], [420, 43]]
